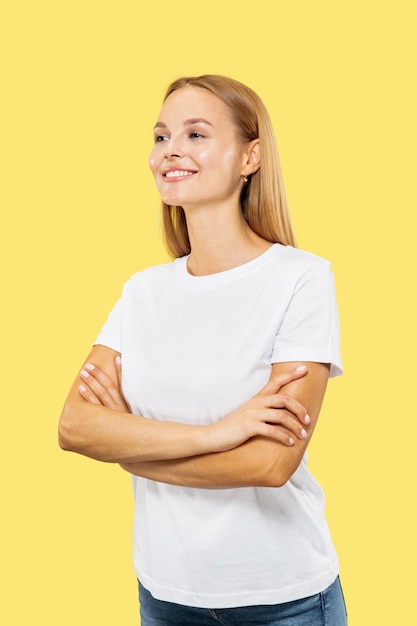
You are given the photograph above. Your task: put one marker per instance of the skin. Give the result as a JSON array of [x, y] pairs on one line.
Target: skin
[[266, 460], [96, 421], [260, 461], [200, 162], [219, 235], [194, 135]]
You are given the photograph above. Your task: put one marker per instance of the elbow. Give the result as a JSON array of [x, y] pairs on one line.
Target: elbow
[[275, 479], [64, 439], [271, 464], [276, 474], [68, 433]]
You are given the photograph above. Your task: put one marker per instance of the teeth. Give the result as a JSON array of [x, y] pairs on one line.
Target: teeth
[[176, 173]]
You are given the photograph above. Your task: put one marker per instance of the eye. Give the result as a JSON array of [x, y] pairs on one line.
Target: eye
[[196, 135], [159, 138]]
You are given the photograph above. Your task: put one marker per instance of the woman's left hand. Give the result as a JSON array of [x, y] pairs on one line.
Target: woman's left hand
[[98, 388]]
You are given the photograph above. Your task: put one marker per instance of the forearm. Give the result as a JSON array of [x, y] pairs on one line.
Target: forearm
[[107, 435], [259, 462], [95, 421], [103, 429]]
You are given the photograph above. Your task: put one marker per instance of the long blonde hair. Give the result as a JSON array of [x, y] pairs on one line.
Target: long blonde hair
[[263, 200]]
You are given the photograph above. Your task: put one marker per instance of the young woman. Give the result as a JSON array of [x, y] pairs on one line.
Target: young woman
[[226, 354]]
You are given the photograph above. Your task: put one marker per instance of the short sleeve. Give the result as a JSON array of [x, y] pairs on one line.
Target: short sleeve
[[310, 327], [111, 333]]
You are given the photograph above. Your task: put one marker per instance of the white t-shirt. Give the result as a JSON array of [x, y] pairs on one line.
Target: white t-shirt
[[194, 348]]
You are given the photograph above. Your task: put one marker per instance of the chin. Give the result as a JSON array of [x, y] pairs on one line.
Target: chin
[[172, 199]]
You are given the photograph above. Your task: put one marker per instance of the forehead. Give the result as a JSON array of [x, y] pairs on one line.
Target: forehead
[[193, 103]]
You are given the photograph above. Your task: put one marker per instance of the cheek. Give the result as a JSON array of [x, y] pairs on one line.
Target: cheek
[[205, 158], [231, 162], [154, 160]]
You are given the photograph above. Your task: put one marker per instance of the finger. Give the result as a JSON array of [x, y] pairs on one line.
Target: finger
[[88, 395], [278, 433], [279, 380], [118, 364], [98, 389], [286, 401], [105, 382], [284, 419]]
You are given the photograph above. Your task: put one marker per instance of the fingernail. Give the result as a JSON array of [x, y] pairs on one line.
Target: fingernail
[[82, 388], [89, 367], [307, 418], [118, 360], [84, 374], [304, 433], [301, 368], [291, 441]]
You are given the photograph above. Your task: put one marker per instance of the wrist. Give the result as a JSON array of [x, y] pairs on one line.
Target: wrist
[[209, 438]]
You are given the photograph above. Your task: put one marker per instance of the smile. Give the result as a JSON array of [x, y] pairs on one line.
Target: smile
[[178, 173]]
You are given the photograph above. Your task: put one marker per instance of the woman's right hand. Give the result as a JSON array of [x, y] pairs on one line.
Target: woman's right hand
[[98, 388], [270, 413]]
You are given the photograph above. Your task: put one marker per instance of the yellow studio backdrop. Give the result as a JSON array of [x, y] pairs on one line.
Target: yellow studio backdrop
[[81, 88]]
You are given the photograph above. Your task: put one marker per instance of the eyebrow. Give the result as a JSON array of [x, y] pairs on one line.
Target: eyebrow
[[194, 120]]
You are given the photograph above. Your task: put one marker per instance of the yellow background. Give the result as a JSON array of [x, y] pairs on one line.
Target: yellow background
[[81, 87]]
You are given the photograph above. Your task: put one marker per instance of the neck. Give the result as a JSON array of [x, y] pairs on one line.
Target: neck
[[220, 240]]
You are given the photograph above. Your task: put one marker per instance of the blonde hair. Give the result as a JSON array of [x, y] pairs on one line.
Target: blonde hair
[[263, 200]]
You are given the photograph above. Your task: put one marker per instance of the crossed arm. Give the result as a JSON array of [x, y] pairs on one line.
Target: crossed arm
[[259, 444], [258, 462]]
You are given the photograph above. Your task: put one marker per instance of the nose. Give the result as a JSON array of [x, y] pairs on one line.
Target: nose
[[173, 148]]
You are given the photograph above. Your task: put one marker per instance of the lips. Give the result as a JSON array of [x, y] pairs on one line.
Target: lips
[[170, 174]]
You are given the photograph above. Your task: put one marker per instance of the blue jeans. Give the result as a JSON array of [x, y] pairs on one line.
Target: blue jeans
[[323, 609]]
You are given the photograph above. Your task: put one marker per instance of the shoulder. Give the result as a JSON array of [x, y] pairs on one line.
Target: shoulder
[[295, 264], [300, 259], [152, 276]]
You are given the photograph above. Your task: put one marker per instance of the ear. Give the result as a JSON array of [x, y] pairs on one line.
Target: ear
[[252, 158]]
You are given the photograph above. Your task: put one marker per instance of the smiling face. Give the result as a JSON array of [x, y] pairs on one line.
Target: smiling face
[[198, 158]]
